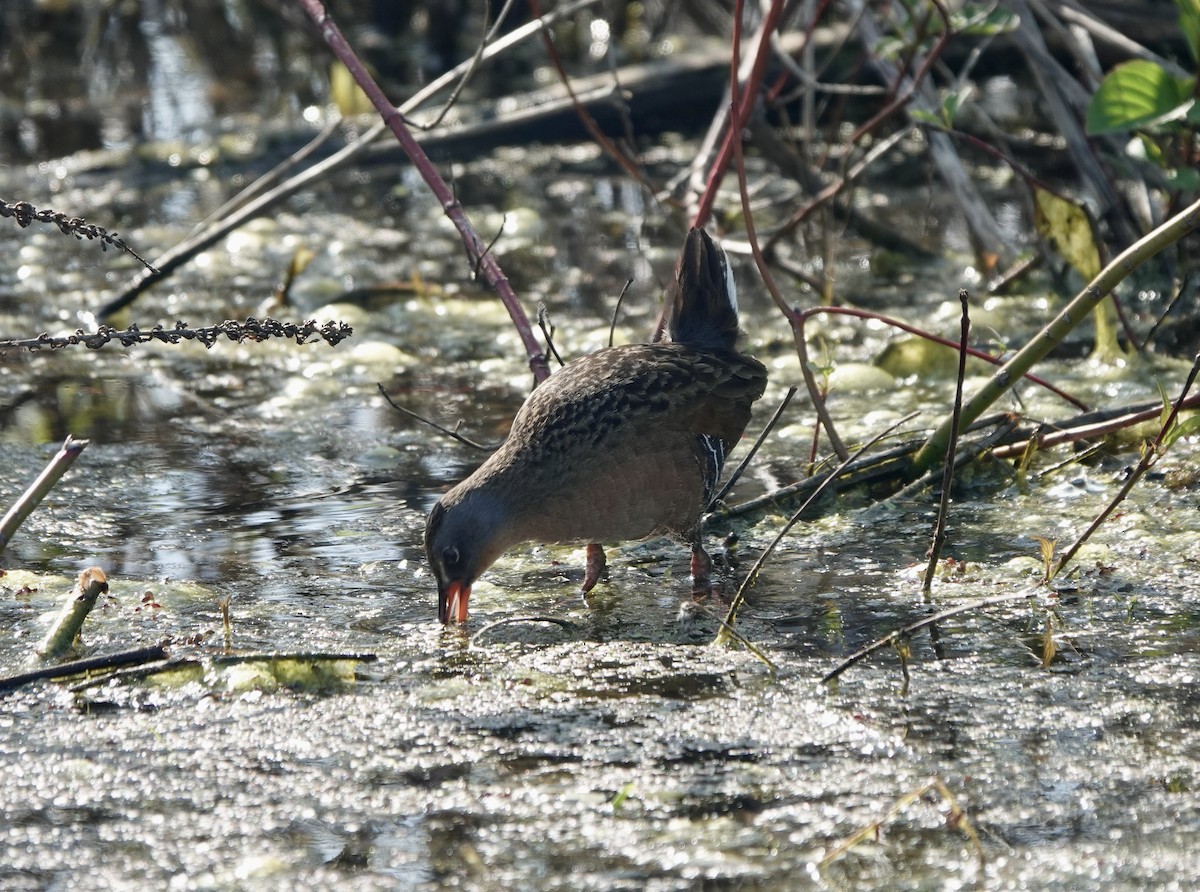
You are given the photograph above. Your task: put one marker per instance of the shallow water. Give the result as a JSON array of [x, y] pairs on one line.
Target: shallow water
[[619, 751]]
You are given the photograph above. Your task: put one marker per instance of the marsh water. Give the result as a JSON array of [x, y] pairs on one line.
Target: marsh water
[[620, 750]]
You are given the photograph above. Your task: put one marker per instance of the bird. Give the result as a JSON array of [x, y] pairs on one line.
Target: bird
[[626, 443]]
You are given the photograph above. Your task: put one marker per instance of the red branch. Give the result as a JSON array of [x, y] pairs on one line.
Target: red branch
[[742, 108], [477, 249]]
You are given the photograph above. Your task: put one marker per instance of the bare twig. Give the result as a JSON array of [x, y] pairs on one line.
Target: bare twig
[[956, 819], [1092, 426], [912, 628], [489, 34], [612, 325], [452, 434], [973, 352], [565, 624], [394, 120], [547, 327], [272, 176], [767, 428]]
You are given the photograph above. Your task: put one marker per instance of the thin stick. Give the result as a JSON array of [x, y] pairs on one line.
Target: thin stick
[[565, 624], [547, 327], [767, 428], [489, 34], [1111, 422], [939, 530], [911, 629], [740, 597], [452, 434], [975, 353], [38, 490], [1183, 285], [272, 176], [957, 818], [1150, 455], [730, 632]]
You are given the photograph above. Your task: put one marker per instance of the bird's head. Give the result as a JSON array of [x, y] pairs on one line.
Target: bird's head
[[463, 537]]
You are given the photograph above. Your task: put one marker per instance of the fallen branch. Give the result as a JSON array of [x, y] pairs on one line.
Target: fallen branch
[[79, 603], [136, 657]]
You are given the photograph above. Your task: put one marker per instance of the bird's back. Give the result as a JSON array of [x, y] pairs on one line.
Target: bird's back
[[629, 441]]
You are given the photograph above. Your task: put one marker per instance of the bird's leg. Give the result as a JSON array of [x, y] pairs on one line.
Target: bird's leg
[[702, 566], [594, 568]]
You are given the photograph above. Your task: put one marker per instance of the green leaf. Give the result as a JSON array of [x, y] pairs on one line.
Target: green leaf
[[988, 20], [889, 49], [1186, 426], [950, 106], [922, 116], [1183, 179], [1189, 21], [1137, 94]]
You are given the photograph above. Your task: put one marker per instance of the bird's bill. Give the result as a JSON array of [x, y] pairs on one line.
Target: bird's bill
[[452, 601]]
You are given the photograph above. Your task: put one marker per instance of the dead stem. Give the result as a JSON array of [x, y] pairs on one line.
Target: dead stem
[[956, 819], [612, 325], [939, 529], [911, 629], [136, 657]]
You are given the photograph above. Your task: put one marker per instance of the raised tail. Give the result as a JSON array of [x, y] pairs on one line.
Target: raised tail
[[704, 309]]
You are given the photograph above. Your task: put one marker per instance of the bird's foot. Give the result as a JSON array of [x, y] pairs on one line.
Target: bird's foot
[[593, 569]]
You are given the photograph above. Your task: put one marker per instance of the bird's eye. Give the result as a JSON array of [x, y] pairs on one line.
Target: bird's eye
[[450, 556]]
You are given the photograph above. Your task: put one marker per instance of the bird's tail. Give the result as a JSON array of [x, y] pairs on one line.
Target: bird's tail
[[703, 311]]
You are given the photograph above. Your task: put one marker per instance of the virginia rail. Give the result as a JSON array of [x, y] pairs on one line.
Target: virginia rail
[[623, 444]]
